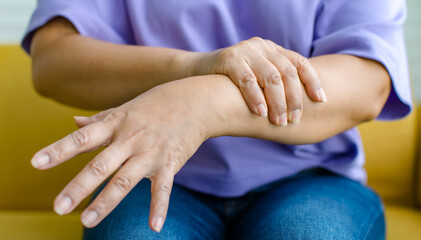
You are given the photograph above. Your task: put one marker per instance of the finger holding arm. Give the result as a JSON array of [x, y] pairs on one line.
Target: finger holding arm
[[257, 64], [308, 74], [89, 73], [357, 89], [364, 83], [158, 149]]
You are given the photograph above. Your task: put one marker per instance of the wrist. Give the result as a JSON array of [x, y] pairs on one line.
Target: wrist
[[204, 99], [219, 104], [187, 63], [199, 63]]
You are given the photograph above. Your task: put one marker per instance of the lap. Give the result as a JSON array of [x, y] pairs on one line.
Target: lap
[[190, 216], [318, 205]]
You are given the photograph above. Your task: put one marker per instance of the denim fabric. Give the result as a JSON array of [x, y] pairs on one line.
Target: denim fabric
[[314, 204]]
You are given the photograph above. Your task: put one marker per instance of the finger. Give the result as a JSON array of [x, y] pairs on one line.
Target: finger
[[293, 87], [82, 140], [272, 83], [91, 176], [244, 77], [82, 121], [308, 74], [118, 187], [161, 191]]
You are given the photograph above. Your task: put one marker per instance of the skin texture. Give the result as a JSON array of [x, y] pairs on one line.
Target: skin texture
[[258, 64], [88, 73], [156, 144]]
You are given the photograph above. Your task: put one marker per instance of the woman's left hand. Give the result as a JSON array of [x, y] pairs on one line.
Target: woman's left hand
[[269, 76], [151, 136]]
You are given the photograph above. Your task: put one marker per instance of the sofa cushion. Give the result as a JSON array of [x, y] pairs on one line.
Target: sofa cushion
[[391, 153], [25, 225], [403, 223], [29, 123]]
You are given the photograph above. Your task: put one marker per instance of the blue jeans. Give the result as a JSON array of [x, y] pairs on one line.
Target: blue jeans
[[314, 204]]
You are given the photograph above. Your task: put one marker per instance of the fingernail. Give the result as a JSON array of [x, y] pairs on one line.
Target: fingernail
[[89, 218], [261, 110], [40, 161], [157, 223], [284, 120], [63, 206], [322, 95], [296, 115]]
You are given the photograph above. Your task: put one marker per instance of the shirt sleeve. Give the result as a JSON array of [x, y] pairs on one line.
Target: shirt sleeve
[[369, 29], [105, 20]]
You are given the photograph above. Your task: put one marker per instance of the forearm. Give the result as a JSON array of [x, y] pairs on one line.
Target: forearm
[[93, 74], [357, 90]]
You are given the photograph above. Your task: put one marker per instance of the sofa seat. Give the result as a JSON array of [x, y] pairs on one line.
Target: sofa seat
[[403, 223], [30, 122], [39, 225]]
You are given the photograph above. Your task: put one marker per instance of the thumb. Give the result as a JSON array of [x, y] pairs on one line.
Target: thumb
[[83, 121]]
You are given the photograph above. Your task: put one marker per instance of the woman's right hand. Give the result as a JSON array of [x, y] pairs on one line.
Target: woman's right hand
[[257, 64], [151, 136]]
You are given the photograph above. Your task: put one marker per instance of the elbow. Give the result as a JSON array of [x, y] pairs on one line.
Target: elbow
[[372, 113], [379, 100], [39, 81], [41, 70]]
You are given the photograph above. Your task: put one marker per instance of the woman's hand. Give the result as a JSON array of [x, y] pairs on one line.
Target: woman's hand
[[255, 64], [151, 137]]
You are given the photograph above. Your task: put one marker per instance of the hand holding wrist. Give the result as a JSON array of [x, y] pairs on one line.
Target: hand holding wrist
[[269, 77]]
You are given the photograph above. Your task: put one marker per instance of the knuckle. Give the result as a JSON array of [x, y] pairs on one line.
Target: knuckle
[[115, 117], [173, 168], [282, 107], [55, 154], [160, 207], [275, 78], [290, 71], [164, 188], [100, 115], [241, 44], [294, 103], [278, 106], [103, 206], [269, 42], [98, 168], [123, 183], [248, 79], [247, 44], [258, 40], [80, 138], [302, 62], [78, 189]]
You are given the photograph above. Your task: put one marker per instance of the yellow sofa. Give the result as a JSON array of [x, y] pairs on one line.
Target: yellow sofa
[[30, 122]]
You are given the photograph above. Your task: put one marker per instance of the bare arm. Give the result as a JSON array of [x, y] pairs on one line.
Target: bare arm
[[93, 74], [88, 73], [157, 143], [357, 89]]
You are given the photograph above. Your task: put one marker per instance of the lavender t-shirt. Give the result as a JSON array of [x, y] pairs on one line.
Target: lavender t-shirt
[[232, 166]]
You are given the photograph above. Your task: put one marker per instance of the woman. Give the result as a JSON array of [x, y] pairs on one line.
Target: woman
[[181, 81]]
